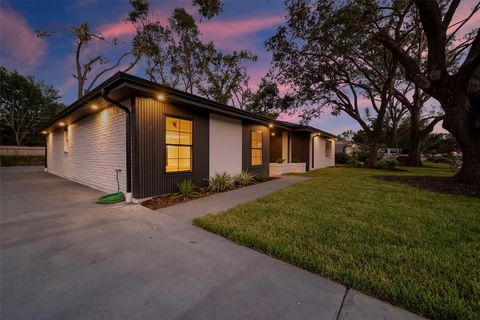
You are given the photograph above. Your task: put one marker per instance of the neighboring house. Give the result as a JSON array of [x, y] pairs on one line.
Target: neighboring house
[[349, 147], [158, 136]]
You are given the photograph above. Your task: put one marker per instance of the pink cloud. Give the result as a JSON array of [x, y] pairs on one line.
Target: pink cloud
[[19, 47], [117, 30], [232, 34]]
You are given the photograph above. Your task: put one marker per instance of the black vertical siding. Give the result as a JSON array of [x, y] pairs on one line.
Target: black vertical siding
[[276, 147], [300, 147], [149, 148], [247, 150]]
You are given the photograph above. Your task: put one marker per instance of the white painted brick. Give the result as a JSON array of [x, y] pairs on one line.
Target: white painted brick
[[320, 160], [97, 148]]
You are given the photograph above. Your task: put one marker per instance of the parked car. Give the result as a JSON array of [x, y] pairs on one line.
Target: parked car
[[388, 153]]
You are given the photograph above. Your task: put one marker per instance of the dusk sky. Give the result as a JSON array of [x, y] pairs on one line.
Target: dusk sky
[[243, 24]]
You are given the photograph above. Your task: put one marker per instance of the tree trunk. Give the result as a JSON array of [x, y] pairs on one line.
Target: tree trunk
[[394, 141], [470, 170], [17, 139], [463, 121], [414, 146], [372, 153]]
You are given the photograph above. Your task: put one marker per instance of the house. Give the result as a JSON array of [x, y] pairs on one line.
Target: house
[[154, 136], [349, 147]]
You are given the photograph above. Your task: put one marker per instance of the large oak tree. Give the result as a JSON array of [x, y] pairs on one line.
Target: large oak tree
[[456, 90]]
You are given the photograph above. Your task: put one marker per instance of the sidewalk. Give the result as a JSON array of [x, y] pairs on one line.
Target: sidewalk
[[353, 304]]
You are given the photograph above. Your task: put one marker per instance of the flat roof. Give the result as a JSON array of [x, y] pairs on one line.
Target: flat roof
[[122, 86]]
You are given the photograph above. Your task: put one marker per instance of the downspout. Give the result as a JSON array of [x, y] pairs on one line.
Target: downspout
[[128, 198], [46, 154], [313, 152]]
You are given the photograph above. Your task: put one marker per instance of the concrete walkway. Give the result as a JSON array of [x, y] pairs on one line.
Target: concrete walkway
[[65, 257]]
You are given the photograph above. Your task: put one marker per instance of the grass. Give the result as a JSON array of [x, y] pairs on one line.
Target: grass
[[412, 247]]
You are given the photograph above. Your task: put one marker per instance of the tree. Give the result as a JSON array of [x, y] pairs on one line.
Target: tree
[[393, 120], [456, 90], [90, 69], [439, 143], [25, 104], [181, 60], [323, 54], [266, 100], [224, 74], [421, 123]]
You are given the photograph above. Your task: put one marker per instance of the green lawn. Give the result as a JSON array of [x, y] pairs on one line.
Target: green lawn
[[414, 248]]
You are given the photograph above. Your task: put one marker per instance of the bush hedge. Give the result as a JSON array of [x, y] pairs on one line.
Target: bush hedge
[[13, 161]]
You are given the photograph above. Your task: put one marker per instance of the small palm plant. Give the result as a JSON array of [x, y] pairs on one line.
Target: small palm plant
[[186, 188], [220, 182], [244, 178]]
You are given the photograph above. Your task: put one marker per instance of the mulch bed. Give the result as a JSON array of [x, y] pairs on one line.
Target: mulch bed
[[438, 184], [173, 199]]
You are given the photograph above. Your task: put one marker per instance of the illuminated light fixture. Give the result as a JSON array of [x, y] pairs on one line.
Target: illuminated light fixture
[[94, 107], [44, 132], [273, 134], [61, 124], [160, 97], [270, 125]]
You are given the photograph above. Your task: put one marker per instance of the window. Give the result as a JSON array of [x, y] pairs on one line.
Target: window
[[178, 141], [66, 142], [328, 148], [257, 148]]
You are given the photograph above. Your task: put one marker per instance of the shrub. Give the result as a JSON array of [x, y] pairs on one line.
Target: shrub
[[352, 161], [341, 158], [402, 160], [362, 156], [11, 161], [387, 164], [186, 188], [244, 178], [280, 160], [261, 177], [220, 182], [296, 160]]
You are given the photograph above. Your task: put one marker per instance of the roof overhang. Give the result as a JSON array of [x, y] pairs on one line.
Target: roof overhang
[[122, 86]]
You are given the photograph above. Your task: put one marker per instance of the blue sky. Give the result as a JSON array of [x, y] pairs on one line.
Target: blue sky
[[243, 24]]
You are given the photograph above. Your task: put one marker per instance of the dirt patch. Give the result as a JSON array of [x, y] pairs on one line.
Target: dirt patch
[[438, 184]]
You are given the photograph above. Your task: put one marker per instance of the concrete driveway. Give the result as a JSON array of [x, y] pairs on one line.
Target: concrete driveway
[[65, 257]]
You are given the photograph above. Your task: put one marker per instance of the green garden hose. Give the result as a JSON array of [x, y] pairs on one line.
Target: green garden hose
[[113, 197]]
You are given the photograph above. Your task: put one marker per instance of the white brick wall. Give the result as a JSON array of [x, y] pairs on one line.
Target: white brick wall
[[97, 148], [320, 160]]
